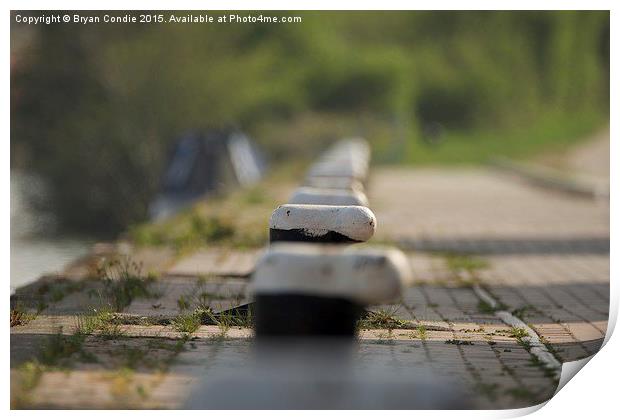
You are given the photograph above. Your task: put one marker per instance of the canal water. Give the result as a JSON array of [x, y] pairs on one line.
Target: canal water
[[37, 247]]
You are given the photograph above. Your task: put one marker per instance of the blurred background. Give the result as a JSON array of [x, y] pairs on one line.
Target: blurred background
[[99, 112]]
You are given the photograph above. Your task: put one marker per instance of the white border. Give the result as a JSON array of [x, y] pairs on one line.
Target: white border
[[593, 394]]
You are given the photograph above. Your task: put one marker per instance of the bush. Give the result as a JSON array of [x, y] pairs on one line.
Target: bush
[[94, 108]]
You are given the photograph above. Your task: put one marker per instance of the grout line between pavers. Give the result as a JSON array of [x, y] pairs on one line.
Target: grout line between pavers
[[574, 313], [538, 349], [563, 325]]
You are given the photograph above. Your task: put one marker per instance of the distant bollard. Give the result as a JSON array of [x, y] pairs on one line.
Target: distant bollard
[[334, 197], [323, 224], [321, 290], [334, 182], [340, 167], [343, 166], [357, 148], [354, 151]]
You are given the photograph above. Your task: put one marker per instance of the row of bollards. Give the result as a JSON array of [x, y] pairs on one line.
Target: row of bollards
[[310, 288], [309, 282]]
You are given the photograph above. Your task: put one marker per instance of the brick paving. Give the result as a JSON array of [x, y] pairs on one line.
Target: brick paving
[[542, 254]]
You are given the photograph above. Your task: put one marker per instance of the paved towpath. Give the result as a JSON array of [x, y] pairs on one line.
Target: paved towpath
[[510, 278]]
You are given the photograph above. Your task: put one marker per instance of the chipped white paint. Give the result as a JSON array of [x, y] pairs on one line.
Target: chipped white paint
[[309, 195], [538, 349], [354, 222], [363, 275], [334, 182]]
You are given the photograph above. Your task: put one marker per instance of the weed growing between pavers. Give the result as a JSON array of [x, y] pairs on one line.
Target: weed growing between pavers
[[551, 350], [187, 323], [234, 317], [53, 355], [129, 359], [419, 332], [101, 322], [20, 316], [108, 321], [224, 320], [518, 333], [123, 282], [464, 267], [59, 347], [200, 297], [383, 320], [422, 332], [124, 357]]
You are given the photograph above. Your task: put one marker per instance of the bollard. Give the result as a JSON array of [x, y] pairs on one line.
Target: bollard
[[343, 166], [356, 147], [309, 289], [334, 182], [309, 195], [340, 167], [320, 223]]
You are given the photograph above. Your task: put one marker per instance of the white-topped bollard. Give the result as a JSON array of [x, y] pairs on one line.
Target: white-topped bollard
[[320, 223], [334, 182], [309, 289], [355, 146], [340, 167], [348, 158], [334, 197]]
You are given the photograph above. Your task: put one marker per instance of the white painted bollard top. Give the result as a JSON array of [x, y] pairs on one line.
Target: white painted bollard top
[[355, 222], [363, 275]]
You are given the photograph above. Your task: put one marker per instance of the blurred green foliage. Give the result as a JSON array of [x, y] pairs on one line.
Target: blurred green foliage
[[94, 108]]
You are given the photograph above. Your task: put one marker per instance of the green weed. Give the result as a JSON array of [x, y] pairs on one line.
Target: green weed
[[123, 282], [187, 323], [383, 319]]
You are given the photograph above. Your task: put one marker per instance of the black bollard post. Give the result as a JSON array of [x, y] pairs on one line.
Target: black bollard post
[[321, 290]]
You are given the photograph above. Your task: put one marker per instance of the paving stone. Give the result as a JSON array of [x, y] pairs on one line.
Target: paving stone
[[174, 295], [495, 214], [216, 262]]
